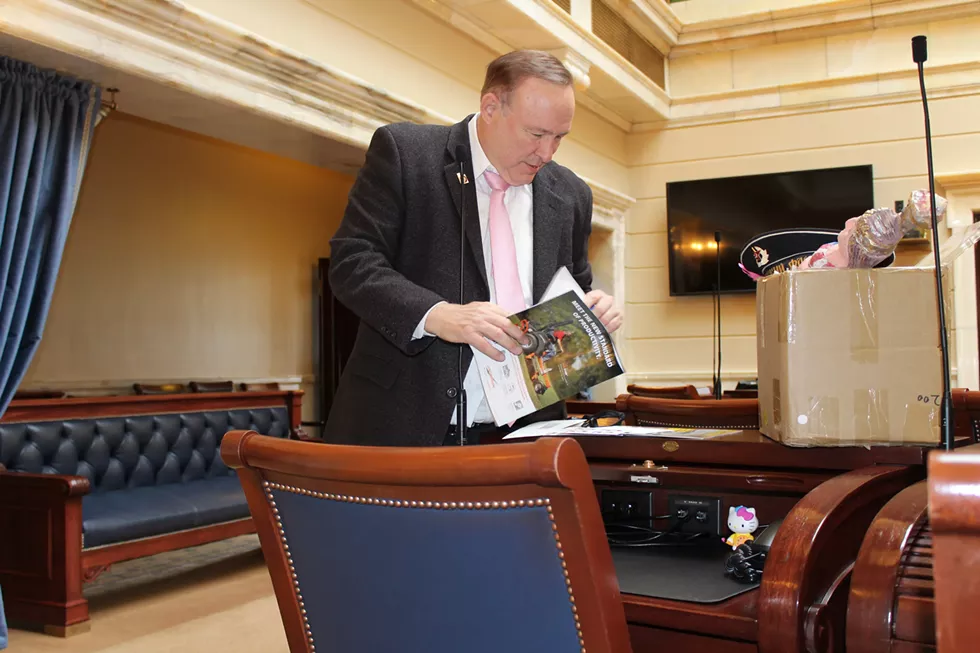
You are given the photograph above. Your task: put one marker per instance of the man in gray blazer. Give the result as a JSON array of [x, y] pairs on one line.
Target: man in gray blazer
[[395, 259]]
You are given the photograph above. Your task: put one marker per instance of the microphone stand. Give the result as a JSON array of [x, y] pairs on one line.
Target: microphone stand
[[919, 56], [461, 415], [717, 379]]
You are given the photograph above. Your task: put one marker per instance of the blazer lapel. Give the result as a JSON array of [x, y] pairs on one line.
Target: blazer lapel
[[459, 135], [549, 212]]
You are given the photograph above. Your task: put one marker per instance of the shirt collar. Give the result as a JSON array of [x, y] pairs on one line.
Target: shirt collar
[[480, 161]]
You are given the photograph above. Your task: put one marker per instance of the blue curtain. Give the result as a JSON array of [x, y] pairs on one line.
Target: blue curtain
[[46, 124]]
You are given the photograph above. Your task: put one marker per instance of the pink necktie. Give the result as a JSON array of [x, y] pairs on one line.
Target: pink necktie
[[506, 281]]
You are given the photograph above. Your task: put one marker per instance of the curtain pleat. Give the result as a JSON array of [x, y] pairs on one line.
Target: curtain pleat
[[46, 123]]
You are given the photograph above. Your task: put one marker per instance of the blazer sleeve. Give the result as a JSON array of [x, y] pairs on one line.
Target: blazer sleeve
[[581, 268], [362, 252]]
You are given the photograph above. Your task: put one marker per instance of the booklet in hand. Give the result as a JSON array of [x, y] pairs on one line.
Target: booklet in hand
[[568, 350]]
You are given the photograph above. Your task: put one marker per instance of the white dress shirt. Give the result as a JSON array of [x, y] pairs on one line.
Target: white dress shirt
[[520, 208]]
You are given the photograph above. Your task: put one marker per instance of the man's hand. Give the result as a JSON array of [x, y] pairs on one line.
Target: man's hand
[[473, 324], [604, 307]]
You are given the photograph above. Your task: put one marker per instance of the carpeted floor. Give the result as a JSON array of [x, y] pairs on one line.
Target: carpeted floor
[[215, 597]]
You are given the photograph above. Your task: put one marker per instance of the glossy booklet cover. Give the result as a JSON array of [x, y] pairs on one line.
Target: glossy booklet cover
[[568, 351]]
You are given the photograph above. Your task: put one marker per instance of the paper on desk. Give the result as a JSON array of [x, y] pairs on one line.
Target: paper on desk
[[566, 427]]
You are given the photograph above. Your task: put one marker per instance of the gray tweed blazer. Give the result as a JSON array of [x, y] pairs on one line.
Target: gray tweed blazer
[[396, 254]]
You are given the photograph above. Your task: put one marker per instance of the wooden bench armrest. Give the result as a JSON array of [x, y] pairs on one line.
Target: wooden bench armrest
[[42, 487]]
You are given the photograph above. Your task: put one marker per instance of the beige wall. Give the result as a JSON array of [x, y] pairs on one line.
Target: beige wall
[[670, 338], [188, 258]]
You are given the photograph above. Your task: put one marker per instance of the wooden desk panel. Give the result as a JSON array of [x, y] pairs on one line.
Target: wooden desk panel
[[747, 449], [646, 638], [827, 498]]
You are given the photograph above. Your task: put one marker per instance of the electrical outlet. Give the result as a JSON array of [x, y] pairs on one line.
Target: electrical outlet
[[626, 505], [697, 514]]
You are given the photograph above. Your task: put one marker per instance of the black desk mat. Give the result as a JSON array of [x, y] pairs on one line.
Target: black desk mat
[[695, 574]]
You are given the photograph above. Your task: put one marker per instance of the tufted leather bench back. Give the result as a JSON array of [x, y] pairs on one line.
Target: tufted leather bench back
[[117, 453]]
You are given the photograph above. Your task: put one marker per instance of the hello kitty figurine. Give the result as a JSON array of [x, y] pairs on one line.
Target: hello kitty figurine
[[742, 521]]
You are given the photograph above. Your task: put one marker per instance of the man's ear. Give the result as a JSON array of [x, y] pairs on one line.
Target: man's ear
[[490, 105]]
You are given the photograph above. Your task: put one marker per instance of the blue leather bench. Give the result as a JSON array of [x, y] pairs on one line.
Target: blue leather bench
[[94, 481]]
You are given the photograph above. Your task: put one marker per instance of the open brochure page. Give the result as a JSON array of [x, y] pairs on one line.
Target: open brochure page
[[568, 350], [573, 427]]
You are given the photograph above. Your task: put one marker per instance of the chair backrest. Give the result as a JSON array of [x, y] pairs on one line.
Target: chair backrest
[[159, 389], [212, 386], [40, 394], [954, 515], [966, 413], [671, 392], [739, 393], [442, 550], [690, 413]]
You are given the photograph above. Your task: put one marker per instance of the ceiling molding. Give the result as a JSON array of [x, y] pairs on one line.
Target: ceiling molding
[[196, 52]]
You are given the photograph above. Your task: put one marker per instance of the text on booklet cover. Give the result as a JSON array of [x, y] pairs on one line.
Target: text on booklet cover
[[567, 350]]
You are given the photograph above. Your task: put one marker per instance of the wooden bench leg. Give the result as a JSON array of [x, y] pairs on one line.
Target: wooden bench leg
[[40, 553]]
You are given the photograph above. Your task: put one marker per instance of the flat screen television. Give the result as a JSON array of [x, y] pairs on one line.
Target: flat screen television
[[741, 208]]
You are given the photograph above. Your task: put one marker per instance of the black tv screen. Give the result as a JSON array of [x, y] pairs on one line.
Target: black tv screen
[[741, 208]]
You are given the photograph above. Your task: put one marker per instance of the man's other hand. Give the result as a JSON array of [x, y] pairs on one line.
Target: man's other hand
[[604, 307], [474, 324]]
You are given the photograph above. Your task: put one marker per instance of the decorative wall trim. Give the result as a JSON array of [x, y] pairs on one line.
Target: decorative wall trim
[[829, 95], [194, 51], [960, 180], [609, 207], [830, 18]]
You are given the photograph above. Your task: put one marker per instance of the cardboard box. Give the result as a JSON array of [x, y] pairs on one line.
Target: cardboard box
[[850, 357]]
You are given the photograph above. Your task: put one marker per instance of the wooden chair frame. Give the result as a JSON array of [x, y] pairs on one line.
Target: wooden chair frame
[[553, 471]]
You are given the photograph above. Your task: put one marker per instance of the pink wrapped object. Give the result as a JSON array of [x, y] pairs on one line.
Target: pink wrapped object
[[869, 239]]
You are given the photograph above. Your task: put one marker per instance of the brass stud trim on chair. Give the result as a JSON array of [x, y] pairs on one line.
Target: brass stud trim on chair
[[399, 503]]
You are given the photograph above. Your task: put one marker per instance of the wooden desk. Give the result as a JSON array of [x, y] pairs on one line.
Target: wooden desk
[[827, 498], [915, 586]]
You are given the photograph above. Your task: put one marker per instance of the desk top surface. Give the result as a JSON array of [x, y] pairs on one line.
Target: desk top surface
[[747, 448]]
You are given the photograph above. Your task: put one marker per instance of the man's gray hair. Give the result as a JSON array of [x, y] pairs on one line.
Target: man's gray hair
[[507, 71]]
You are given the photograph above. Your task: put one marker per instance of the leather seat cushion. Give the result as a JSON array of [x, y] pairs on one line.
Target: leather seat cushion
[[110, 517]]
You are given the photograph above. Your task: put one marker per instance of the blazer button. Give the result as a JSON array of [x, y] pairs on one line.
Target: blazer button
[[451, 393]]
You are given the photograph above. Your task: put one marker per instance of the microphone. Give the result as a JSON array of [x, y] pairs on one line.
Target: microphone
[[717, 380], [919, 56], [462, 156]]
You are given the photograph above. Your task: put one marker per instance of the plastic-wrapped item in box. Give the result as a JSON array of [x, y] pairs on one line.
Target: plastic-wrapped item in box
[[850, 357]]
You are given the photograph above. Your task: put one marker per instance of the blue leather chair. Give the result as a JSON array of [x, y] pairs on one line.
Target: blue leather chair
[[493, 549]]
